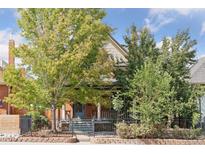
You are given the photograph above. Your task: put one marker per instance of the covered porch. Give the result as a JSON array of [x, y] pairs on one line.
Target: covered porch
[[71, 110], [85, 111]]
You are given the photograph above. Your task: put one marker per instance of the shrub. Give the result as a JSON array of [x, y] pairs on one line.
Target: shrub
[[122, 130], [39, 121], [126, 131], [133, 131], [186, 133]]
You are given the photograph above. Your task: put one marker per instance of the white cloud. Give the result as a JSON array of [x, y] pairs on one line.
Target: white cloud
[[154, 12], [185, 12], [158, 18], [5, 35], [180, 11], [154, 24], [159, 44], [202, 28], [3, 51]]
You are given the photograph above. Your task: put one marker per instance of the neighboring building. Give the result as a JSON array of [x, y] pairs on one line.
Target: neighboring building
[[3, 93], [69, 110], [4, 89], [198, 77]]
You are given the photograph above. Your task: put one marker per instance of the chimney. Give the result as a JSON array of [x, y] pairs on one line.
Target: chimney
[[11, 54]]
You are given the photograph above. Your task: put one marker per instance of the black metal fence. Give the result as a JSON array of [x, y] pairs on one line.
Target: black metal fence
[[25, 124], [113, 115], [108, 121]]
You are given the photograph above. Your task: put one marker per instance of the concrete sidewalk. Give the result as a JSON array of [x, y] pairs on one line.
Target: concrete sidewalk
[[83, 139]]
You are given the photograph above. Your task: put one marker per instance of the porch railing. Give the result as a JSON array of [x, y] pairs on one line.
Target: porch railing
[[113, 115]]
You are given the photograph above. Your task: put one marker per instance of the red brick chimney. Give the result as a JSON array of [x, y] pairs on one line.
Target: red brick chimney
[[11, 55]]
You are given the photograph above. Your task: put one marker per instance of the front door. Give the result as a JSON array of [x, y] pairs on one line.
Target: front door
[[78, 110]]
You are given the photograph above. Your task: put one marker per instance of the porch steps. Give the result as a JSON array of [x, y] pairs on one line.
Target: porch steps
[[81, 126]]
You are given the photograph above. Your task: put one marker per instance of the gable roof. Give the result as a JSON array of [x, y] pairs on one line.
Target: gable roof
[[116, 52], [121, 49], [198, 72]]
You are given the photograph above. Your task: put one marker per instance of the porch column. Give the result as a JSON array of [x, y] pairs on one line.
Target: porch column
[[8, 109], [99, 111], [71, 111], [63, 113]]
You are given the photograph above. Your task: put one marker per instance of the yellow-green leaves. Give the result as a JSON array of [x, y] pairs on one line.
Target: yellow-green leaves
[[24, 91], [57, 53]]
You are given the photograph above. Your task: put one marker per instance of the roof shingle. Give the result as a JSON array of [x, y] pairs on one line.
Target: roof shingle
[[198, 72]]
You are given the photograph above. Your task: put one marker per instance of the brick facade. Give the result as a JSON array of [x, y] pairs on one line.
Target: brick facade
[[3, 93], [4, 89]]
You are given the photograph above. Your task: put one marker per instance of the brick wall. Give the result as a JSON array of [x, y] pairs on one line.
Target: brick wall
[[105, 140], [10, 124], [3, 91], [90, 111]]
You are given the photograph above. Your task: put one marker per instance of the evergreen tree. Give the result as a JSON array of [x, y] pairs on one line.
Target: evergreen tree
[[141, 46], [157, 81]]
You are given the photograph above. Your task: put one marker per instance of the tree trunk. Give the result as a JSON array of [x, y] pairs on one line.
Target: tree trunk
[[169, 121], [53, 121]]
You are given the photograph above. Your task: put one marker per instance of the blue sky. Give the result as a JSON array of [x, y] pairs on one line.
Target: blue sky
[[162, 22]]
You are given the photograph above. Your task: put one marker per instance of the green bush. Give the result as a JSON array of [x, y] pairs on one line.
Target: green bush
[[122, 130], [126, 131], [186, 133], [133, 131], [39, 121]]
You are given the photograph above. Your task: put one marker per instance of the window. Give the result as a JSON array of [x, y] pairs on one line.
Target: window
[[79, 107], [1, 103]]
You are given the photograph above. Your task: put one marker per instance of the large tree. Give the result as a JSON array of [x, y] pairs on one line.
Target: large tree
[[148, 67], [63, 51], [179, 55], [151, 95], [141, 45]]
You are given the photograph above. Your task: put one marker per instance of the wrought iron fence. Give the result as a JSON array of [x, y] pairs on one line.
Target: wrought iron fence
[[113, 115], [108, 125], [25, 124]]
